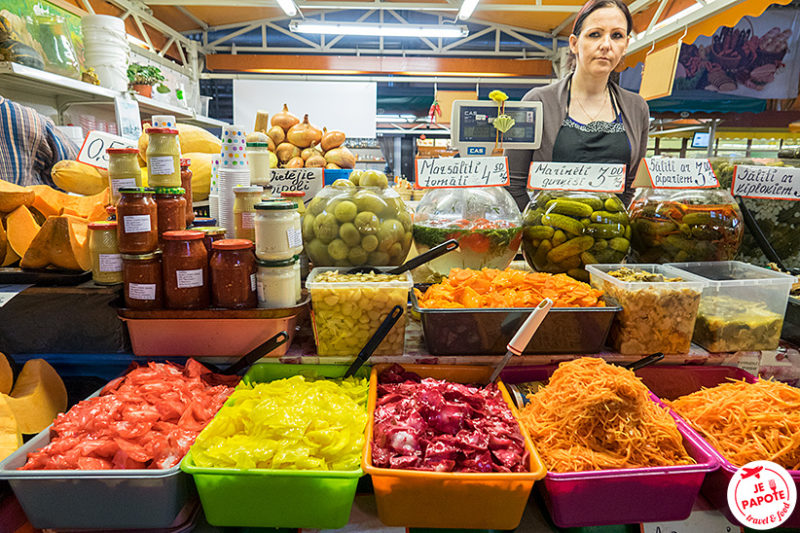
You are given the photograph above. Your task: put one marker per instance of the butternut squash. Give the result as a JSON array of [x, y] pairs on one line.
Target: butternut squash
[[80, 178], [10, 258], [21, 228], [191, 138], [47, 200], [38, 396], [10, 436], [12, 196], [3, 245], [6, 374], [50, 202], [62, 242], [201, 174]]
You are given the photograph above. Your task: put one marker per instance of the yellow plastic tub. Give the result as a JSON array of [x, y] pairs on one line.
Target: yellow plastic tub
[[414, 498]]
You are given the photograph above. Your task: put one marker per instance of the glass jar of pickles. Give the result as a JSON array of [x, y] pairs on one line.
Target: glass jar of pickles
[[123, 170], [278, 232], [163, 158], [106, 259], [141, 274], [185, 267], [137, 222], [244, 211], [233, 274]]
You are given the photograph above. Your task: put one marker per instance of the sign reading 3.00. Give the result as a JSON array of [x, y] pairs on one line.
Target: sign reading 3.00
[[600, 177]]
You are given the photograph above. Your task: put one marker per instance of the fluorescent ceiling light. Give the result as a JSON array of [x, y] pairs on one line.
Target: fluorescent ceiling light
[[385, 30], [289, 7], [467, 8]]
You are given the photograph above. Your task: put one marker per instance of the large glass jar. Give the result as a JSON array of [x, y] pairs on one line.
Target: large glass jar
[[143, 281], [186, 184], [276, 283], [185, 266], [171, 206], [163, 158], [563, 231], [244, 211], [233, 274], [210, 235], [485, 221], [106, 259], [258, 156], [123, 170], [278, 234], [670, 225], [349, 225], [137, 218]]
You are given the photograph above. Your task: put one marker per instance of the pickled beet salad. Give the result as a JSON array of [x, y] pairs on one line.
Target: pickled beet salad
[[429, 424]]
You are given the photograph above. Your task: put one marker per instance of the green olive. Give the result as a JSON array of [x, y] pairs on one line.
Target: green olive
[[373, 178], [369, 243], [367, 223], [318, 252], [396, 251], [308, 227], [407, 238], [390, 230], [337, 249], [405, 219], [357, 256], [355, 176], [349, 234], [317, 205], [343, 184], [325, 227], [378, 258], [369, 201], [345, 211]]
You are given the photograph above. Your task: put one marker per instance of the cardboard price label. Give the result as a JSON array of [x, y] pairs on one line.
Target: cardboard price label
[[307, 180], [93, 149], [665, 173], [461, 172], [769, 183], [600, 177]]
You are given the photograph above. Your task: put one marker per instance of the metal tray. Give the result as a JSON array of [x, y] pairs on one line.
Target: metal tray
[[13, 275], [565, 330]]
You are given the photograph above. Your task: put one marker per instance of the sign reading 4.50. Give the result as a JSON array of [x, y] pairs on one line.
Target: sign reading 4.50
[[93, 150]]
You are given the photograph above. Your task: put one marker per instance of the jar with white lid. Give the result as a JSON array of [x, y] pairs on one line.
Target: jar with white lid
[[276, 283], [244, 210], [278, 232]]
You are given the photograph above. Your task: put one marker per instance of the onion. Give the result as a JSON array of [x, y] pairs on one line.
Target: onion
[[332, 166], [270, 144], [303, 134], [308, 152], [286, 151], [295, 162], [277, 135], [331, 140], [284, 119], [341, 157], [316, 161], [256, 137]]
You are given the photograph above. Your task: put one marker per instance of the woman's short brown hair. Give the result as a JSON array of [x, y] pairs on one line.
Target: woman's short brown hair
[[593, 5]]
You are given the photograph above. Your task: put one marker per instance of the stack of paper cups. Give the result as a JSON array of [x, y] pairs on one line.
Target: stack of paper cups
[[213, 193], [164, 121], [231, 171]]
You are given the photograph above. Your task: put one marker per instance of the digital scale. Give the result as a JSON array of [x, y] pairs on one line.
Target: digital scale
[[472, 131]]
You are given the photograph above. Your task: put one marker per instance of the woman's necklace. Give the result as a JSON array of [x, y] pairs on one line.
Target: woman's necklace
[[602, 108]]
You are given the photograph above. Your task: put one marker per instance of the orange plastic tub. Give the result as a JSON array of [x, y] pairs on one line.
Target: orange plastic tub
[[413, 498]]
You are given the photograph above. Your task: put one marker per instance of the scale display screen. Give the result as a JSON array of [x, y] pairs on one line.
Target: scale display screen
[[476, 125]]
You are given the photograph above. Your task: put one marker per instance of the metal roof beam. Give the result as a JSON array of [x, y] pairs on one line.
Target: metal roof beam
[[228, 37], [380, 79], [385, 51], [338, 6], [338, 38], [192, 17]]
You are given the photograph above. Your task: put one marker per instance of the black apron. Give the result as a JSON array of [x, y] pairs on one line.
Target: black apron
[[574, 145]]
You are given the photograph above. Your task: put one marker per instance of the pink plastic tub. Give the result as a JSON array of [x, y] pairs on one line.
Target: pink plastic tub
[[621, 496], [680, 380]]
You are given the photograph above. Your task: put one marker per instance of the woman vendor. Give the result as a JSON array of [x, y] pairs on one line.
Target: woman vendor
[[586, 117]]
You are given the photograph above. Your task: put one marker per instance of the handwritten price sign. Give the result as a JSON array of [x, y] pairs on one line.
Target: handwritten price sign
[[598, 177], [93, 150], [680, 173], [462, 172], [770, 183]]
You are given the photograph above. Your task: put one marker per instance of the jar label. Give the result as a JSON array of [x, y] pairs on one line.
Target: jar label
[[190, 278], [110, 262], [142, 291], [137, 223], [260, 286], [248, 220], [161, 166], [252, 282], [118, 184], [295, 236]]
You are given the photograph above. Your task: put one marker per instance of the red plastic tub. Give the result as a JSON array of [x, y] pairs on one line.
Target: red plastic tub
[[622, 496], [680, 380]]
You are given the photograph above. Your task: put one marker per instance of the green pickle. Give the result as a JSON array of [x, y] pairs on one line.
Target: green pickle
[[684, 225], [587, 228]]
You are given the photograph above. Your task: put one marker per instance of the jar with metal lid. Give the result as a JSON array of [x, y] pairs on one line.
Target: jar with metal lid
[[258, 155], [163, 158], [186, 183], [111, 210], [103, 249], [211, 234], [233, 274], [276, 283], [298, 285], [137, 218], [204, 222], [278, 232], [244, 211], [185, 266], [123, 170], [141, 274], [171, 206]]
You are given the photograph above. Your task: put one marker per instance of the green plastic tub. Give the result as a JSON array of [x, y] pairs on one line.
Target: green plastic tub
[[277, 498]]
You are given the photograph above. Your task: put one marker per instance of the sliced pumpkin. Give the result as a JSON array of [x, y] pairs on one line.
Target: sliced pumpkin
[[12, 196], [6, 374], [3, 243], [10, 436], [49, 201], [62, 242], [38, 396], [10, 257], [21, 228]]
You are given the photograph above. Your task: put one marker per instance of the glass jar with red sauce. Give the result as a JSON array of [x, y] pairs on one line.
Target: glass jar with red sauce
[[186, 183], [211, 234], [185, 266], [233, 274], [171, 206], [141, 274], [137, 221]]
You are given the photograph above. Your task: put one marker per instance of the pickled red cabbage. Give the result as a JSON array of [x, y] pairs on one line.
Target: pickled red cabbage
[[291, 424]]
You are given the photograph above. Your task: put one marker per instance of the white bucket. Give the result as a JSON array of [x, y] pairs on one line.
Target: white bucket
[[106, 50], [102, 21]]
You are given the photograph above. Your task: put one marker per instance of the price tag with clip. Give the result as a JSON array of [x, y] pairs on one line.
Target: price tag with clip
[[769, 183], [599, 177], [668, 173], [461, 172], [93, 150]]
